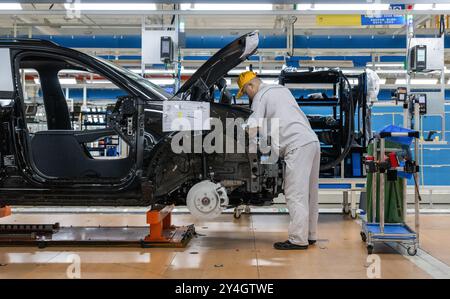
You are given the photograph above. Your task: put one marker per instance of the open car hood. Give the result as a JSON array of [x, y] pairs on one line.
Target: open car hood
[[223, 61]]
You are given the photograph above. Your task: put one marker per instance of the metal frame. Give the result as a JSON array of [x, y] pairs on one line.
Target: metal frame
[[411, 237]]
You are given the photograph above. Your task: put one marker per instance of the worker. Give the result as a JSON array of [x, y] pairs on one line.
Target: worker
[[298, 145]]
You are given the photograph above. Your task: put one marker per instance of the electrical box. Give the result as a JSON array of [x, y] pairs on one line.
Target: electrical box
[[434, 53], [421, 99], [166, 49], [400, 95], [418, 58], [152, 45]]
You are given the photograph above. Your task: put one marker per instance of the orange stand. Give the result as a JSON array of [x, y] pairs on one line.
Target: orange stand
[[160, 224], [5, 211]]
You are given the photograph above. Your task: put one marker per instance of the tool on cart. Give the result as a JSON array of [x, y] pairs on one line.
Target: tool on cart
[[161, 233], [389, 167]]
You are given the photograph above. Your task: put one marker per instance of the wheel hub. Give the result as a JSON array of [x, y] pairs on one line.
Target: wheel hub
[[206, 200]]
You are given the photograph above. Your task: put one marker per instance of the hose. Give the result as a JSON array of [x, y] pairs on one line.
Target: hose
[[350, 119]]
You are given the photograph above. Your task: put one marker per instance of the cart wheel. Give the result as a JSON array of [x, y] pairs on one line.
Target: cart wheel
[[247, 210], [363, 236], [369, 249], [237, 213], [412, 251]]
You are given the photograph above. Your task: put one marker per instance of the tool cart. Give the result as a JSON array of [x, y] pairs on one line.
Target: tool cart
[[389, 167]]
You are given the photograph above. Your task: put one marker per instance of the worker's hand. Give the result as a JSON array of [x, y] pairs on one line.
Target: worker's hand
[[252, 132]]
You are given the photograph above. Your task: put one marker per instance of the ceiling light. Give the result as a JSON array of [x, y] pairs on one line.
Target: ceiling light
[[416, 81], [62, 81], [390, 71], [442, 6], [344, 6], [98, 82], [431, 6], [270, 72], [270, 81], [385, 64], [423, 6], [67, 81], [224, 6], [110, 6], [10, 6], [187, 71], [162, 81], [153, 71]]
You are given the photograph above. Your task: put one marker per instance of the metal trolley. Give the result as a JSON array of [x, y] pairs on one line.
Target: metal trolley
[[372, 231]]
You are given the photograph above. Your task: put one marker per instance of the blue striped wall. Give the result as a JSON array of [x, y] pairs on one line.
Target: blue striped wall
[[436, 158]]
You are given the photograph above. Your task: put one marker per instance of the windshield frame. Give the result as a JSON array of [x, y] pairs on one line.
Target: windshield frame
[[143, 82]]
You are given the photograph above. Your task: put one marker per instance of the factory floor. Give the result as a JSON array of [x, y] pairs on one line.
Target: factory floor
[[227, 248]]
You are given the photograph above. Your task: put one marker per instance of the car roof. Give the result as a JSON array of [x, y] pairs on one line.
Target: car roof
[[24, 42]]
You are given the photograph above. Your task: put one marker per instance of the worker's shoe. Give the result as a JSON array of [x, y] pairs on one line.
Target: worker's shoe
[[286, 245]]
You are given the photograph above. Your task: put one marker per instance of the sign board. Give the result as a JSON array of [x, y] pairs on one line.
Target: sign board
[[392, 19], [383, 20], [186, 116], [338, 20], [151, 44]]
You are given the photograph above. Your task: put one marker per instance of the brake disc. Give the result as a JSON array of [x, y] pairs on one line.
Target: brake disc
[[207, 200]]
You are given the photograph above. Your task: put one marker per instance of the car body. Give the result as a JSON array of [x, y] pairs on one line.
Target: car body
[[52, 167]]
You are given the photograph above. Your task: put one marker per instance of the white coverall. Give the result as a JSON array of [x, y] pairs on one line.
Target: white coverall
[[298, 144]]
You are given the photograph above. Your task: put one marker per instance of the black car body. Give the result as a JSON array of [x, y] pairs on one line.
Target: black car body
[[53, 167]]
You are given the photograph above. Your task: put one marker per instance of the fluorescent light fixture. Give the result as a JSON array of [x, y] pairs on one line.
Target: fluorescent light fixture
[[303, 6], [62, 81], [344, 6], [442, 6], [10, 6], [270, 81], [98, 82], [390, 71], [110, 6], [236, 71], [162, 81], [29, 71], [431, 6], [187, 71], [67, 81], [416, 81], [423, 6], [270, 72], [385, 64], [153, 71], [224, 6]]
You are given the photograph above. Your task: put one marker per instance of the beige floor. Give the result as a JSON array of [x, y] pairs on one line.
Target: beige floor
[[435, 236], [226, 248]]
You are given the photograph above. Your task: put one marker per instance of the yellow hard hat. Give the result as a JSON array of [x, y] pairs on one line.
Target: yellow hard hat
[[243, 79]]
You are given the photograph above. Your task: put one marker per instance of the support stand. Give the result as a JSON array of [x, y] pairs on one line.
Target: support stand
[[5, 211], [161, 233]]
